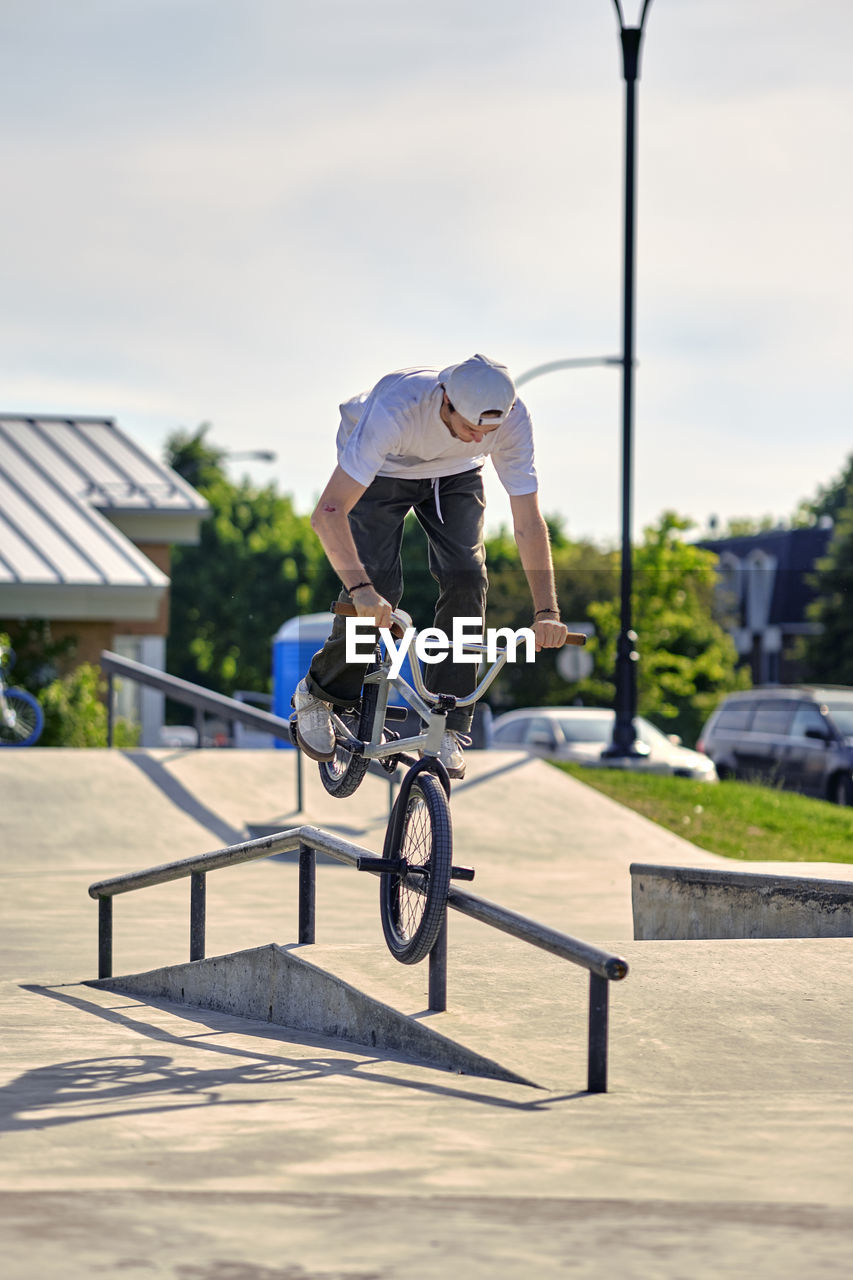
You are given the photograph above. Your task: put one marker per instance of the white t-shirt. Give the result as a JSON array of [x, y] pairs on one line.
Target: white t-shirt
[[396, 430]]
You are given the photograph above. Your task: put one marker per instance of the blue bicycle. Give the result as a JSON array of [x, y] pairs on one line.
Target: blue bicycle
[[21, 717]]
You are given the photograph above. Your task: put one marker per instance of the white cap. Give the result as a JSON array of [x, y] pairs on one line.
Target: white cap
[[479, 387]]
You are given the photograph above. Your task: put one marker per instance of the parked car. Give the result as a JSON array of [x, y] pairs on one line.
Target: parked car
[[581, 733], [797, 737], [177, 735]]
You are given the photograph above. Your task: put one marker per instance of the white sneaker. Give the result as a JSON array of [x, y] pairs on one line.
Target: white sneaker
[[314, 727], [450, 752]]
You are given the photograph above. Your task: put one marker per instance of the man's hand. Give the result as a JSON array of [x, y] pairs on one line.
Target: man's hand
[[369, 603], [550, 633]]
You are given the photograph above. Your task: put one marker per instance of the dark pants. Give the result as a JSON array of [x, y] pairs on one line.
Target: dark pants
[[457, 561]]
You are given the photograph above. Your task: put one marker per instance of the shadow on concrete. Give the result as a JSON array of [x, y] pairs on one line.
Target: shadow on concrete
[[467, 784], [184, 799], [71, 1092]]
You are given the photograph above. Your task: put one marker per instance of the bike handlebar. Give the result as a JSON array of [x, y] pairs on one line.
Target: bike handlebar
[[401, 620]]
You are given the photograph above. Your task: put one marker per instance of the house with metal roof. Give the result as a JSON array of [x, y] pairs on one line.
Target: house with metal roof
[[87, 520]]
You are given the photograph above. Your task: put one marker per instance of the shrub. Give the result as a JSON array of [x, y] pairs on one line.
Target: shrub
[[75, 716]]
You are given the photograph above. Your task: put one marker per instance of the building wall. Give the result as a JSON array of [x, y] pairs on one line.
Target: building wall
[[91, 638], [161, 555]]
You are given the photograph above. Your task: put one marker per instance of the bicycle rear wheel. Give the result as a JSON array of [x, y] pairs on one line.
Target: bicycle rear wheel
[[21, 719], [342, 775], [413, 902]]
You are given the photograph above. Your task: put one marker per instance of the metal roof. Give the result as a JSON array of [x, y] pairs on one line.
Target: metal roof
[[75, 496]]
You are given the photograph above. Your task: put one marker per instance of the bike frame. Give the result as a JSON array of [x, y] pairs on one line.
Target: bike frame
[[420, 699]]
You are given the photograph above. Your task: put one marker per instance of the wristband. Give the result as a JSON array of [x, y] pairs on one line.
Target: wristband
[[538, 611], [357, 587]]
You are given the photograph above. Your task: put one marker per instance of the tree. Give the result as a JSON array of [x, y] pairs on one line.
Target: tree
[[39, 658], [200, 463], [830, 653], [257, 564], [832, 499], [687, 662], [583, 572]]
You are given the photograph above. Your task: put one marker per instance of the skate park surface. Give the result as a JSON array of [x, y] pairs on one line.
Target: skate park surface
[[158, 1139]]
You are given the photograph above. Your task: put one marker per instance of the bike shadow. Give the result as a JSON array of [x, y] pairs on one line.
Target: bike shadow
[[115, 1085]]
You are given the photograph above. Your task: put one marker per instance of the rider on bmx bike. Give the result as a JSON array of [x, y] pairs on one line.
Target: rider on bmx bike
[[418, 442]]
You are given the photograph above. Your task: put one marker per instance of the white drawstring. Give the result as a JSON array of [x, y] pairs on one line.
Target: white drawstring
[[437, 499]]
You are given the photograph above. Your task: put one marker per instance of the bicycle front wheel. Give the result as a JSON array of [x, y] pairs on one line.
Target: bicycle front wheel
[[413, 902], [343, 773], [21, 719]]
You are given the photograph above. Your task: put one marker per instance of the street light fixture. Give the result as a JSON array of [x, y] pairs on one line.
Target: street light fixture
[[572, 362], [625, 703], [251, 455]]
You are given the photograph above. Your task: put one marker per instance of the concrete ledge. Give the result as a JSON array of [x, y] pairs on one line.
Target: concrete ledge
[[688, 902], [273, 985]]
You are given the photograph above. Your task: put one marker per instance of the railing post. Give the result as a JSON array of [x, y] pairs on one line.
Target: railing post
[[198, 913], [105, 937], [298, 780], [307, 891], [438, 971], [599, 994], [110, 710]]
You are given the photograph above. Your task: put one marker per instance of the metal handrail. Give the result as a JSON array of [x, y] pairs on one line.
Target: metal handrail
[[603, 967], [191, 695], [205, 700]]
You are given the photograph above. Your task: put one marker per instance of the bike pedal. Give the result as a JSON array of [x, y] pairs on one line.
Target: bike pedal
[[386, 866], [461, 873]]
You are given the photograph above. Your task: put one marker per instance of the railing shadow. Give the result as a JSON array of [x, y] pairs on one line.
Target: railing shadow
[[183, 798], [112, 1086]]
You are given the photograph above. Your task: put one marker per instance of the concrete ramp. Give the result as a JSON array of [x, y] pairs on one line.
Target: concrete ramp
[[272, 984], [700, 902]]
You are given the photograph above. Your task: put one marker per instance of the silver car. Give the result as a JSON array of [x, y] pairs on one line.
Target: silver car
[[581, 733]]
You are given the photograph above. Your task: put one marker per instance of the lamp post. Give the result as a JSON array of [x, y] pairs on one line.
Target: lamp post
[[624, 734]]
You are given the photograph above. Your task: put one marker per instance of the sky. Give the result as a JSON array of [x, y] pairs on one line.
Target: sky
[[245, 213]]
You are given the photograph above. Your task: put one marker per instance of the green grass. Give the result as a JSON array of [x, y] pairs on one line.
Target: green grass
[[735, 819]]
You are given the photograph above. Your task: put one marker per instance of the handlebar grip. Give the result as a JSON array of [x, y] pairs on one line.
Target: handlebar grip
[[576, 637], [344, 610]]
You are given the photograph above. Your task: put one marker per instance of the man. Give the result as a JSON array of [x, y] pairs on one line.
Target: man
[[418, 442]]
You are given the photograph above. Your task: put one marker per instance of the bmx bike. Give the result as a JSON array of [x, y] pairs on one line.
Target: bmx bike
[[21, 717], [416, 866]]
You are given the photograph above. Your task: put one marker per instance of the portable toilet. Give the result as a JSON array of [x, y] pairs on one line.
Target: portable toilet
[[293, 647]]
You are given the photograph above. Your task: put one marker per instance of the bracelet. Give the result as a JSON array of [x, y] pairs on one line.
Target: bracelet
[[538, 611], [357, 587]]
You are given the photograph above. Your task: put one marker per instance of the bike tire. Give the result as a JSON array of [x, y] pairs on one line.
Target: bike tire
[[342, 775], [413, 904], [22, 721]]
